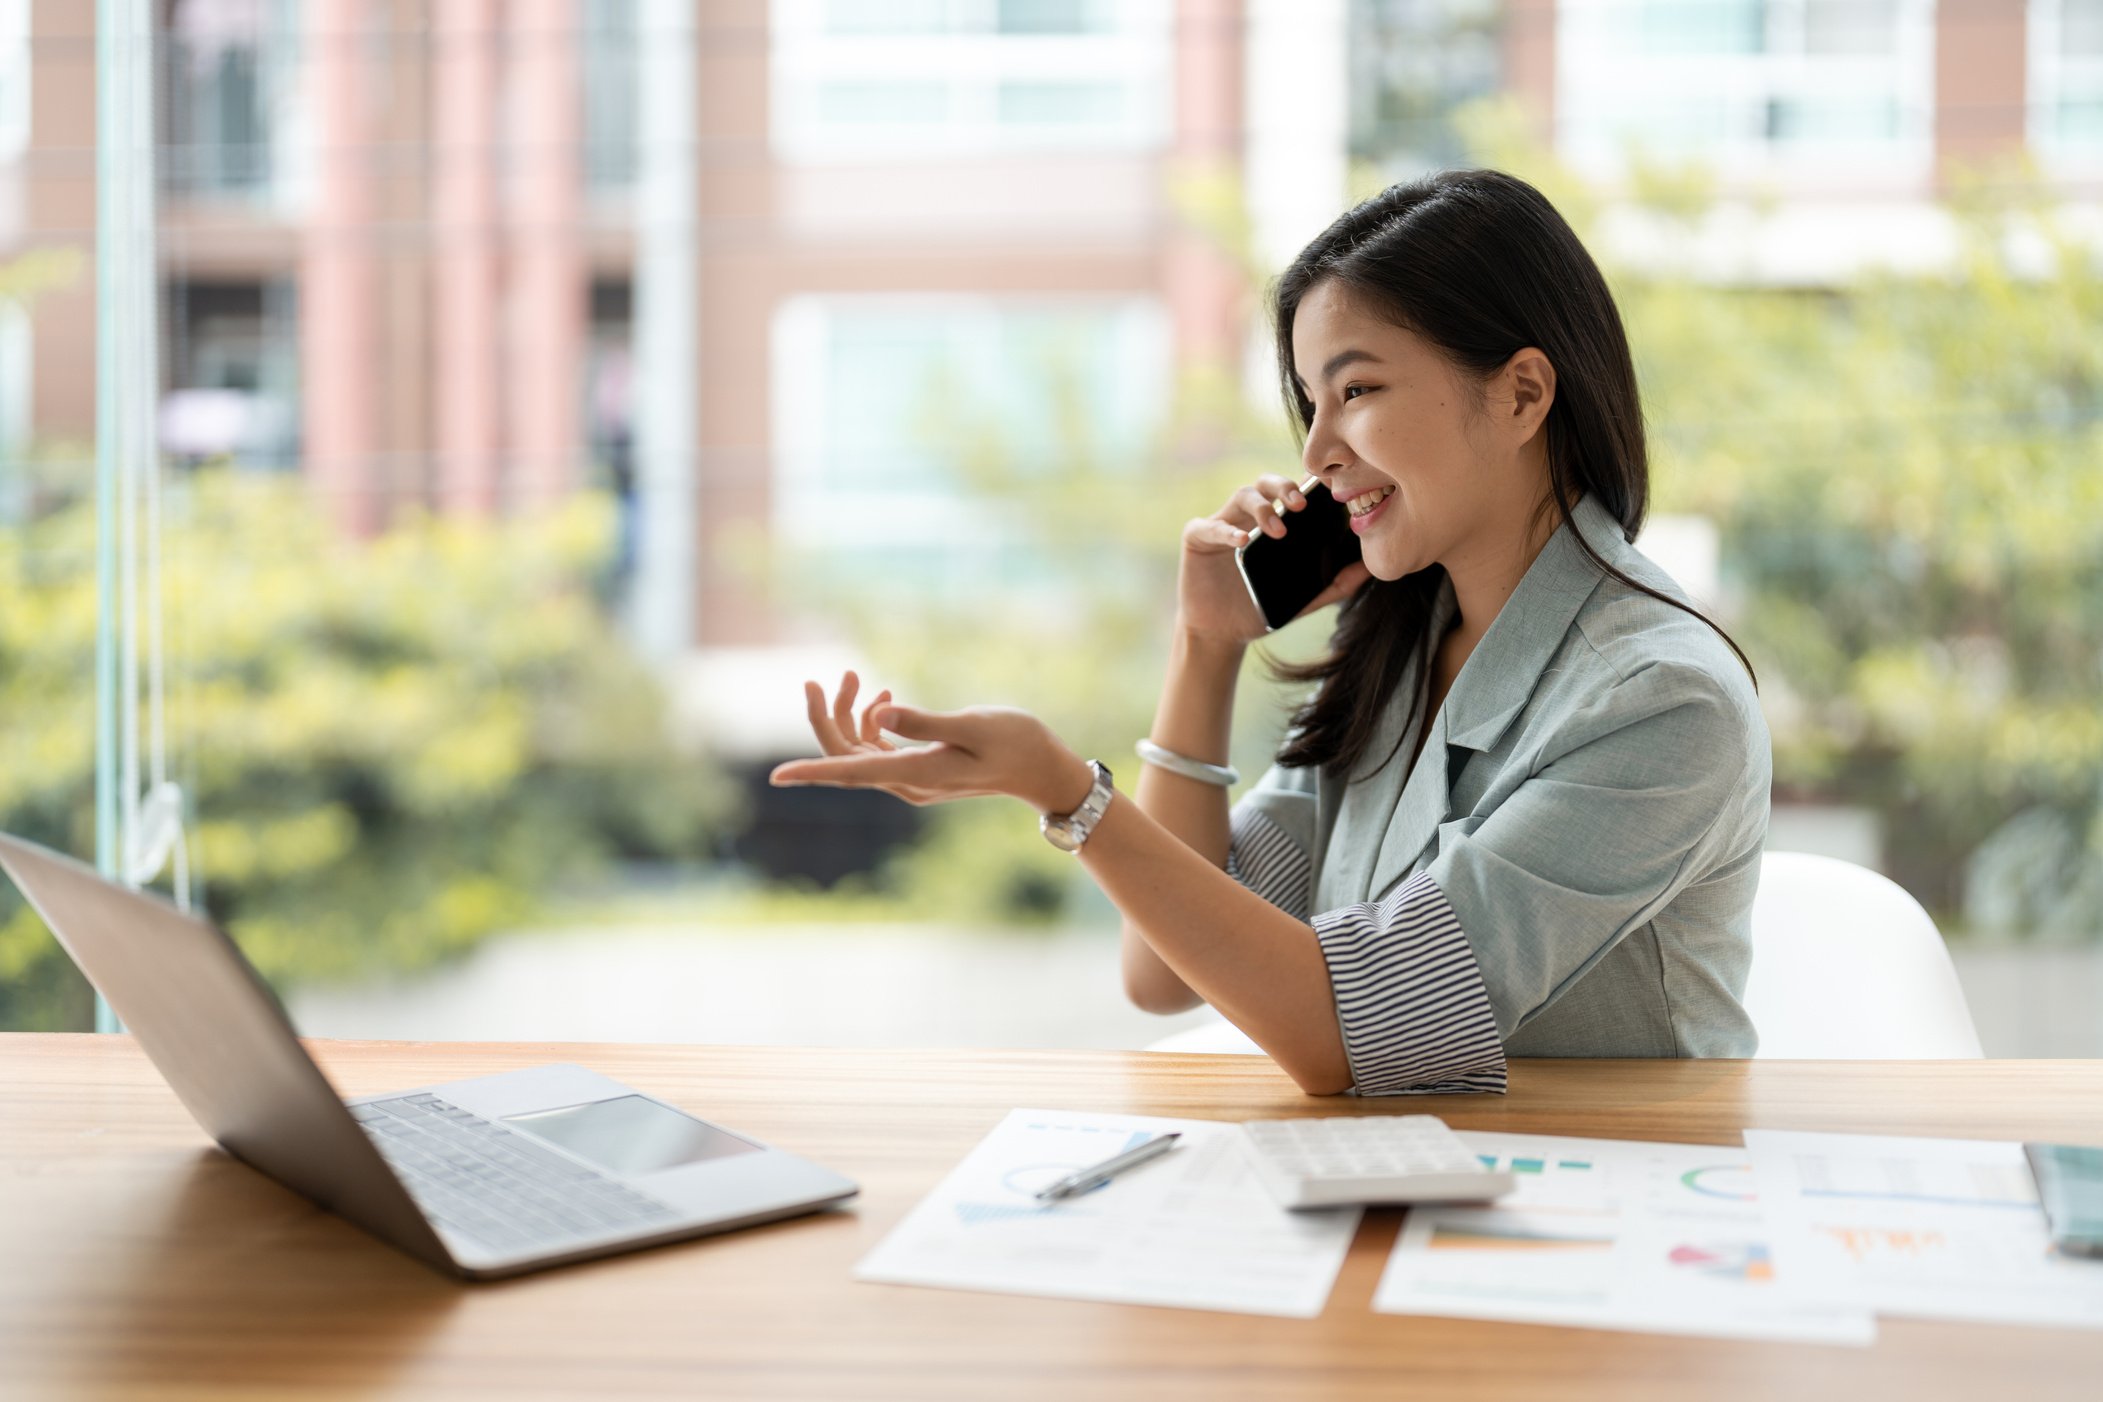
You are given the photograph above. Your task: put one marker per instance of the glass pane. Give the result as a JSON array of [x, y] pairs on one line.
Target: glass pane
[[2081, 28], [2080, 123], [500, 500], [1696, 26], [1044, 16], [1062, 104], [1851, 26], [887, 16], [883, 103]]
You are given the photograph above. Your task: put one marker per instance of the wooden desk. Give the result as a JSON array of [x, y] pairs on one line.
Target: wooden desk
[[136, 1260]]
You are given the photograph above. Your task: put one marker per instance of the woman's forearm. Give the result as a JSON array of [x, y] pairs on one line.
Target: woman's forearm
[[1195, 718], [1262, 969]]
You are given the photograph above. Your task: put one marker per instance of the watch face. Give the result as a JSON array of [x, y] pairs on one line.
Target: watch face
[[1060, 834]]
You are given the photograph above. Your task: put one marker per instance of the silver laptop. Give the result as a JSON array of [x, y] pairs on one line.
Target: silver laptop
[[481, 1178]]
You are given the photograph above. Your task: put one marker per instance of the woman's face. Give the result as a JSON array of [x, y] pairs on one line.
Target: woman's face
[[1431, 467]]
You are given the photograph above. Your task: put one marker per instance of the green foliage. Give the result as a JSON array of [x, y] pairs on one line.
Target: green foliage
[[392, 748]]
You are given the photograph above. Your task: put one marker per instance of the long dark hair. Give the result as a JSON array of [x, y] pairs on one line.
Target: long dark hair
[[1479, 264]]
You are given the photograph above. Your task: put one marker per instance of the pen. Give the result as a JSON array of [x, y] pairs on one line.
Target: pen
[[1094, 1176]]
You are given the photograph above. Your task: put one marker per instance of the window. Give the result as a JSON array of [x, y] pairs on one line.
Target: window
[[2066, 82], [228, 75], [15, 387], [14, 78], [1412, 62], [915, 79], [898, 420], [1758, 87], [233, 372], [610, 112]]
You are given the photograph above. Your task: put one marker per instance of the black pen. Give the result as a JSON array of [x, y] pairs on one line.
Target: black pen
[[1081, 1180]]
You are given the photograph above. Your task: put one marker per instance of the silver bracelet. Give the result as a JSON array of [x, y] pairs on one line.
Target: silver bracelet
[[1224, 775]]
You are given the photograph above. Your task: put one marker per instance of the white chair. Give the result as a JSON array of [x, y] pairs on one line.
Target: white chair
[[1846, 966], [1218, 1035]]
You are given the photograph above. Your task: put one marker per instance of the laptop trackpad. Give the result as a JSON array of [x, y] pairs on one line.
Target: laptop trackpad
[[631, 1134]]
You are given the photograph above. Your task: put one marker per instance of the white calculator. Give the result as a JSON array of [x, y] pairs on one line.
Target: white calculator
[[1368, 1159]]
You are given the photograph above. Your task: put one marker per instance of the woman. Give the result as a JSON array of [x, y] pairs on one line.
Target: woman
[[1522, 813]]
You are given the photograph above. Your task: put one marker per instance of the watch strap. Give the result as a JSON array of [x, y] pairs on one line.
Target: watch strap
[[1069, 830]]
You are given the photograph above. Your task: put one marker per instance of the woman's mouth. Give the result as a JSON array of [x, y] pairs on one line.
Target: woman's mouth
[[1366, 507]]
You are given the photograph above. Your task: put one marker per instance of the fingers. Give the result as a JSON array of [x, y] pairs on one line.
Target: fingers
[[1209, 535], [932, 769], [823, 726], [914, 724], [843, 704], [1263, 503], [872, 733]]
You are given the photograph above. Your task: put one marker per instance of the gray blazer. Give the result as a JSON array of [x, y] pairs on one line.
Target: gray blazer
[[1591, 801]]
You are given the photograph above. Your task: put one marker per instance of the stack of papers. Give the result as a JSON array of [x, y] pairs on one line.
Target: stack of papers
[[1798, 1236]]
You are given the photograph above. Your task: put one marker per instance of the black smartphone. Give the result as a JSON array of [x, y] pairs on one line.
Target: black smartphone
[[1285, 573]]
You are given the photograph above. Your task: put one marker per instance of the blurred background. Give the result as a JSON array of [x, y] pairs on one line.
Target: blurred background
[[504, 405]]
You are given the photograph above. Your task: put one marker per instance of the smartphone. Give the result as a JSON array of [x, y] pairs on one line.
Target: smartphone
[[1285, 573]]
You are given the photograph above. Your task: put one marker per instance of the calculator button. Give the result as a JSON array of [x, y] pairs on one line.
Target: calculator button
[[1337, 1160]]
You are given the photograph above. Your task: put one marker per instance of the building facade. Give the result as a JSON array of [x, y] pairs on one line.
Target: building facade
[[726, 259]]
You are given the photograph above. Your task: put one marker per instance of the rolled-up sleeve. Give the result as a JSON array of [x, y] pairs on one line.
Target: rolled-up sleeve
[[1271, 847], [1415, 1016]]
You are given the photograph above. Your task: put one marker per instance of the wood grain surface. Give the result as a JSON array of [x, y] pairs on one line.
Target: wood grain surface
[[140, 1261]]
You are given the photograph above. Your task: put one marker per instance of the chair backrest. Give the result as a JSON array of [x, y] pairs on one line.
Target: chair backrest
[[1846, 965]]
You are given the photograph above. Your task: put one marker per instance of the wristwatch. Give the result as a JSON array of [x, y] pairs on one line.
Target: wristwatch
[[1067, 833]]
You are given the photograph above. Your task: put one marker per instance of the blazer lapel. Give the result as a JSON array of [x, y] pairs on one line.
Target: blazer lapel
[[1423, 806]]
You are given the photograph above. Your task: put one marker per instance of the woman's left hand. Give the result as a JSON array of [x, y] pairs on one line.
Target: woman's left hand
[[974, 752]]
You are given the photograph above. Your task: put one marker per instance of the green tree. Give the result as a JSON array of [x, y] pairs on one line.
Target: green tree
[[392, 748]]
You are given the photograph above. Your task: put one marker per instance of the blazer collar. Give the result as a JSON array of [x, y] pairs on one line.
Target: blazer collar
[[1499, 676]]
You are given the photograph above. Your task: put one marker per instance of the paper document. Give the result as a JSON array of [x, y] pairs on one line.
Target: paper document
[[1192, 1228], [1610, 1234], [1947, 1228]]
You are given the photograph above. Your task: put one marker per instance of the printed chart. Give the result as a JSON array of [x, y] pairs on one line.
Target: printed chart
[[1610, 1235], [1941, 1228]]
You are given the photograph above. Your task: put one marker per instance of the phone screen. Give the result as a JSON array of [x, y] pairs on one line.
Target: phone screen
[[1285, 574]]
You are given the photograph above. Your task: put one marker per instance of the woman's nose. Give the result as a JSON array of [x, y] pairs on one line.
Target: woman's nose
[[1322, 453]]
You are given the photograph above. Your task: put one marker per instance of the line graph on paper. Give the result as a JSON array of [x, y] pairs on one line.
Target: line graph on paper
[[1896, 1179]]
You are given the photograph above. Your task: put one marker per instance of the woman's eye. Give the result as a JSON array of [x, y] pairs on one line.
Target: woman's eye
[[1353, 391]]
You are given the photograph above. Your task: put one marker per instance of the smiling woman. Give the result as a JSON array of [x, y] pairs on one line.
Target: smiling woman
[[1522, 811]]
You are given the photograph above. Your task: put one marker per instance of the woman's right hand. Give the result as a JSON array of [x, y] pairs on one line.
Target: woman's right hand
[[1212, 601]]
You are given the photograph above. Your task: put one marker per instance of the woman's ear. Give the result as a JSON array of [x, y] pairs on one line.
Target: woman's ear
[[1530, 383]]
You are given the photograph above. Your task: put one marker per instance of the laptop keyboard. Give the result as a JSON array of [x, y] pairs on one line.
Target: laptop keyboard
[[494, 1185]]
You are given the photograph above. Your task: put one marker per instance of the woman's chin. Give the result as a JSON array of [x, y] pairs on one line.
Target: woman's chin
[[1388, 564]]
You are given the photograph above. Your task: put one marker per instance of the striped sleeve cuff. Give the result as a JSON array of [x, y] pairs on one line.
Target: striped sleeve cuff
[[1263, 858], [1415, 1013]]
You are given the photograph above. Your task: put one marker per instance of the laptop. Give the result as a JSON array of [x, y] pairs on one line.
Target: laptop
[[481, 1178]]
